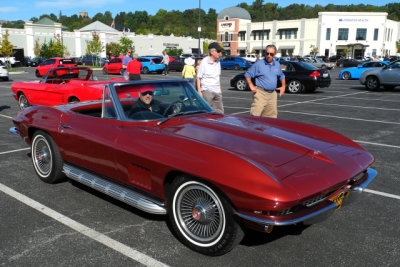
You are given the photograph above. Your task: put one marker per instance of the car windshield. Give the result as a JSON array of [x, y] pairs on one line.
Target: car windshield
[[61, 75], [168, 99]]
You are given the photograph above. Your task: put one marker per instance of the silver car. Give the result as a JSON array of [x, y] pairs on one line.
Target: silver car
[[319, 63], [388, 77]]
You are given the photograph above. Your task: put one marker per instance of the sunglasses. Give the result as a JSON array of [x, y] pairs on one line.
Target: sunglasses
[[147, 93], [269, 54]]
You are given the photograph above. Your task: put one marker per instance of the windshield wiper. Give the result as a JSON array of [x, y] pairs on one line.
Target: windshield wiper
[[180, 114]]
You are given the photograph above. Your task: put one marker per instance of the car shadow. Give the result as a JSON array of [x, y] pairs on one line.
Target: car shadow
[[4, 107], [255, 238]]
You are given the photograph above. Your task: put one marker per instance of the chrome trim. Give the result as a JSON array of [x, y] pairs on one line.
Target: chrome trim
[[371, 175], [14, 130], [111, 189]]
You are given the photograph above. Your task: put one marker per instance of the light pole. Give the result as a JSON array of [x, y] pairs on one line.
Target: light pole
[[199, 28]]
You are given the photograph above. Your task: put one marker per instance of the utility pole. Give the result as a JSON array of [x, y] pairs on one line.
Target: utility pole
[[199, 28]]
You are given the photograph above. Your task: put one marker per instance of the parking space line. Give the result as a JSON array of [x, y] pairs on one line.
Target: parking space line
[[382, 194], [351, 106], [16, 150], [384, 100], [5, 116], [338, 117], [376, 144], [82, 229], [319, 99]]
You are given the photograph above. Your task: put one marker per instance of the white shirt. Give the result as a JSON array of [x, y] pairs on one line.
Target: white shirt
[[209, 74]]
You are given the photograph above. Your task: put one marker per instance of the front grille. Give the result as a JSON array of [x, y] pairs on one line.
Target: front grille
[[313, 201]]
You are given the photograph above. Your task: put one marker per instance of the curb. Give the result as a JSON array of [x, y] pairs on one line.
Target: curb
[[16, 73]]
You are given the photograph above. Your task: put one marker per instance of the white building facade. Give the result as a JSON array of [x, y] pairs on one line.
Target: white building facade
[[76, 41], [359, 33]]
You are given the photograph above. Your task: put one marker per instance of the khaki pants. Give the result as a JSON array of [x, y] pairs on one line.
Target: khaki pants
[[264, 104]]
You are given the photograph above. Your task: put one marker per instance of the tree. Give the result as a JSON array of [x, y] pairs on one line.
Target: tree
[[174, 51], [54, 48], [94, 47], [398, 46], [125, 44], [314, 50], [36, 48], [113, 49], [6, 47]]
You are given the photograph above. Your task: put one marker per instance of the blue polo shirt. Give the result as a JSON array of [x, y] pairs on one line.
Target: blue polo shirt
[[265, 74]]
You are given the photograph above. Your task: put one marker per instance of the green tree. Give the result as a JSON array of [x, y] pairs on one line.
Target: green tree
[[95, 47], [398, 46], [5, 45], [174, 51], [57, 48], [36, 48], [313, 50], [125, 44]]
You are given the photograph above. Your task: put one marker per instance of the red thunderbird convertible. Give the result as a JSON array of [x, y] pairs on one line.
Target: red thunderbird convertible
[[59, 86], [158, 146]]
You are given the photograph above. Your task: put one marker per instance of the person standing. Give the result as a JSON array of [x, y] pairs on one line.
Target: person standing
[[133, 68], [125, 61], [208, 78], [266, 73], [165, 60], [188, 70]]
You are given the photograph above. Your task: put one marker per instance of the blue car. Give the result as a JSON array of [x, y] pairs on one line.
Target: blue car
[[151, 64], [355, 72], [235, 62]]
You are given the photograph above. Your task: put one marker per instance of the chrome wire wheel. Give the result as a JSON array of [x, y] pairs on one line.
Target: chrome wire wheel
[[42, 156], [23, 102], [199, 214]]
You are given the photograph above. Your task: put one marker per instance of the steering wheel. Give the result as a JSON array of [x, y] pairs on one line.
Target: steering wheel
[[176, 107]]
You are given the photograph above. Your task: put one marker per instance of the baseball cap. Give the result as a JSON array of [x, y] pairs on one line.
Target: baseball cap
[[216, 46]]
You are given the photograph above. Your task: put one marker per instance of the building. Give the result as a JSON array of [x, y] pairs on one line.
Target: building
[[359, 33], [76, 42]]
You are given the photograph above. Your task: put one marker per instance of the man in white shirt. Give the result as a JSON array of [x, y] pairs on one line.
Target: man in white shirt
[[166, 62], [208, 78]]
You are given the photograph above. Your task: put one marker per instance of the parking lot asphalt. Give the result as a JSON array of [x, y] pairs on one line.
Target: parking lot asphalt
[[68, 224]]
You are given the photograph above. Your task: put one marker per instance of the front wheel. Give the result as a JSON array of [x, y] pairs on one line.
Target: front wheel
[[46, 158], [295, 86], [372, 83], [23, 102], [237, 67], [201, 218], [242, 85], [145, 70]]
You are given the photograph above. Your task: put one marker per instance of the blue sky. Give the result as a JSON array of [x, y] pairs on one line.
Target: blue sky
[[26, 9]]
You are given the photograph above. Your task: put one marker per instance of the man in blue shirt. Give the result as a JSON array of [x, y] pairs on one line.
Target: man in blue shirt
[[265, 72], [125, 60]]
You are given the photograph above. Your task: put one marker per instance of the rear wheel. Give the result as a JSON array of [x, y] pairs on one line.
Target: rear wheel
[[242, 85], [372, 83], [201, 218], [105, 72], [237, 67], [295, 87], [23, 101], [145, 70], [121, 71], [46, 158], [346, 75]]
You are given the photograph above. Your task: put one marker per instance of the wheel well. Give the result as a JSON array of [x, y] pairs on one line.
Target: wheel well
[[369, 76], [19, 93], [32, 130], [72, 98]]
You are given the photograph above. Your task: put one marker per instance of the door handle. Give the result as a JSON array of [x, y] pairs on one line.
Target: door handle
[[64, 126]]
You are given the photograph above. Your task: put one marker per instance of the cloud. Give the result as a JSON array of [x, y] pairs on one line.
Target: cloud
[[74, 3], [5, 9]]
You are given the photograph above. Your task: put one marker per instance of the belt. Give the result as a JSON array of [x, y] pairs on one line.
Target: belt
[[266, 90]]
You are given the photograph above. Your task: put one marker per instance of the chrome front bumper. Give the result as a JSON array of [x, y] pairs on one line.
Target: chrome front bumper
[[321, 214]]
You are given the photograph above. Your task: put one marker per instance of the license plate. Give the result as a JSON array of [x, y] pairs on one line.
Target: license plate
[[338, 198], [325, 75]]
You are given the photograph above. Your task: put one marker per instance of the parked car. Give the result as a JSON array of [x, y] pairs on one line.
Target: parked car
[[51, 63], [250, 57], [36, 61], [3, 72], [321, 64], [113, 66], [59, 86], [259, 172], [355, 72], [235, 62], [77, 60], [388, 77], [177, 64], [93, 60], [347, 62], [300, 77], [335, 58], [151, 64], [11, 60], [323, 58]]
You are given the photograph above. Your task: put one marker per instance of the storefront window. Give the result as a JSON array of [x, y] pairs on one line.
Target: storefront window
[[343, 34], [361, 34]]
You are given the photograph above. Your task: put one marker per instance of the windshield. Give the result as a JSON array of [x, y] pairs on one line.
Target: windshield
[[158, 100]]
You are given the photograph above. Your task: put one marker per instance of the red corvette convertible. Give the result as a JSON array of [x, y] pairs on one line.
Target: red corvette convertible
[[159, 147], [59, 86]]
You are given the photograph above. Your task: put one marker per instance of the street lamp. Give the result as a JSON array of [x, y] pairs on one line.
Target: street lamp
[[199, 28]]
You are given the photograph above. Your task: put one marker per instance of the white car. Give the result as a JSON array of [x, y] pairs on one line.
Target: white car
[[3, 71], [250, 57], [388, 77]]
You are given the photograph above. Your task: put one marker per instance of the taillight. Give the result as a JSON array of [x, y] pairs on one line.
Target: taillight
[[4, 68], [315, 73], [152, 62]]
